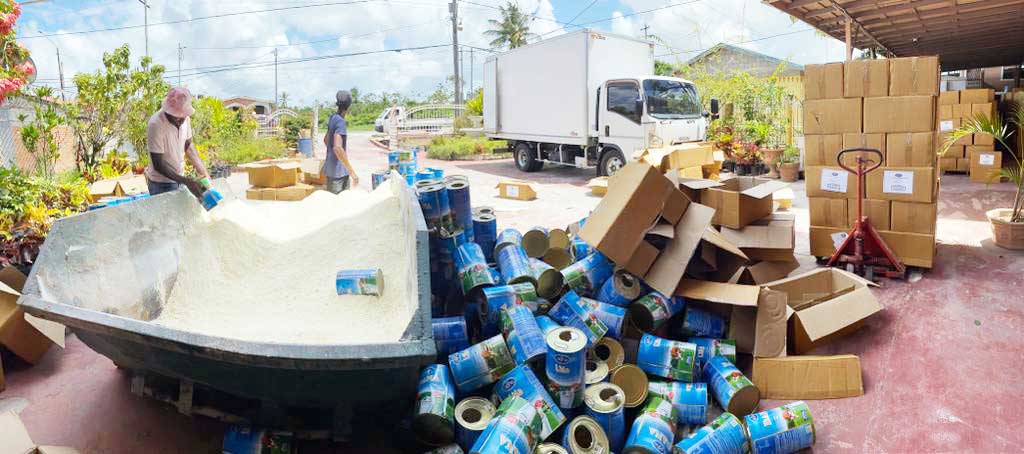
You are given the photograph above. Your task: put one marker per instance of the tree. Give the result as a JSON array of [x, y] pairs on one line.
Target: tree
[[40, 134], [513, 30], [15, 68], [114, 104]]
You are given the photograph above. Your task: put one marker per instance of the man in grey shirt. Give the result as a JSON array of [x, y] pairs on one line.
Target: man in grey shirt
[[339, 172]]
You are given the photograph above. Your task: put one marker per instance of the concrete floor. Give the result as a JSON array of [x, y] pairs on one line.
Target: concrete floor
[[941, 364]]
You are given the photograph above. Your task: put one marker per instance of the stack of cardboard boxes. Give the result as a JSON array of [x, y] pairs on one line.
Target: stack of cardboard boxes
[[888, 105], [975, 153], [277, 179]]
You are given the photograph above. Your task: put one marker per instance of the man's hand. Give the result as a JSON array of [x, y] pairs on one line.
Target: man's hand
[[355, 180], [195, 187]]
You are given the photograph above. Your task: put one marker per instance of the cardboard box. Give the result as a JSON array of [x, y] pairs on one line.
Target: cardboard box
[[765, 241], [987, 110], [757, 316], [822, 149], [832, 182], [948, 98], [906, 184], [623, 226], [823, 81], [516, 189], [963, 164], [273, 174], [828, 212], [865, 78], [948, 164], [118, 187], [692, 187], [24, 335], [808, 377], [983, 139], [823, 240], [945, 112], [293, 193], [876, 210], [961, 111], [834, 116], [675, 157], [858, 140], [716, 258], [977, 95], [913, 217], [985, 165], [899, 114], [827, 304], [913, 76], [953, 152], [910, 149], [598, 186], [763, 272], [14, 438], [914, 249], [741, 200]]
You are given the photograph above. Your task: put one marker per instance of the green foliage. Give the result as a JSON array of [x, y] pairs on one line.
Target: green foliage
[[512, 31], [663, 68], [475, 105], [28, 207], [242, 151], [292, 126], [791, 155], [114, 104], [40, 134], [448, 147], [223, 136]]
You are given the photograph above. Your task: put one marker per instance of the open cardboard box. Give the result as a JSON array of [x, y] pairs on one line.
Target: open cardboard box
[[647, 226], [740, 201], [808, 377], [716, 258], [274, 173], [758, 315], [516, 189], [24, 335], [770, 239], [825, 304], [675, 157], [118, 187], [14, 438]]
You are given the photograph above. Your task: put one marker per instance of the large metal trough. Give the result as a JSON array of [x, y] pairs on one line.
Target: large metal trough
[[95, 275]]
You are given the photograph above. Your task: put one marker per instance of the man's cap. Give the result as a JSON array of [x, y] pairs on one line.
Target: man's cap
[[343, 97], [178, 102]]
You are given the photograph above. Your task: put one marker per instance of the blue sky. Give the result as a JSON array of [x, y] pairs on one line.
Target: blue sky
[[307, 31]]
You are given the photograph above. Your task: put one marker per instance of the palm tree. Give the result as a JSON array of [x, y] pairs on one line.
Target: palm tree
[[513, 30]]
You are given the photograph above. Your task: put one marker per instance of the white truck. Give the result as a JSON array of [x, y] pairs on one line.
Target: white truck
[[586, 99]]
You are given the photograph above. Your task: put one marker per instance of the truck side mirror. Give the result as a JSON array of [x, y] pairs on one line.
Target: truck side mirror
[[639, 107]]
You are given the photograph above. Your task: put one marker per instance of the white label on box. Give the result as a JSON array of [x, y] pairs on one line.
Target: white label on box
[[897, 182], [987, 159], [834, 180], [512, 191], [946, 125], [838, 238]]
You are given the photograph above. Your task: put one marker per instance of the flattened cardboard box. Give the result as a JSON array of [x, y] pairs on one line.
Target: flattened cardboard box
[[772, 241], [808, 377], [907, 184], [516, 190], [822, 149], [859, 140], [910, 149], [865, 78], [834, 116], [644, 198], [828, 212], [823, 81], [827, 304], [914, 249], [899, 114], [913, 217], [758, 320], [14, 438], [741, 200], [913, 76], [830, 182], [24, 335], [876, 210]]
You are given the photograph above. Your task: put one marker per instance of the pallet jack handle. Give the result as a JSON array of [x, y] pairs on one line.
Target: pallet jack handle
[[860, 170]]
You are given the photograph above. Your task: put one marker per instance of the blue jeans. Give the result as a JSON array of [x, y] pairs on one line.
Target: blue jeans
[[157, 187]]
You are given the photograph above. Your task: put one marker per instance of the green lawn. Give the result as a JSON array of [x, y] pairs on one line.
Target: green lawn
[[360, 128]]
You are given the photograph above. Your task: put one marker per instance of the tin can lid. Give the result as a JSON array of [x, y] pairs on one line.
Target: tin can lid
[[550, 448], [604, 397], [586, 436], [633, 382], [597, 371], [608, 350], [474, 413], [566, 339]]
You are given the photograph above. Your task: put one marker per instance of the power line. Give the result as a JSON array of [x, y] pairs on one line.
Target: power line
[[268, 46], [582, 11], [677, 52], [636, 13]]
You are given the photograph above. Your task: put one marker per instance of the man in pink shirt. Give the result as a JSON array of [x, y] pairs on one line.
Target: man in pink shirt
[[169, 140]]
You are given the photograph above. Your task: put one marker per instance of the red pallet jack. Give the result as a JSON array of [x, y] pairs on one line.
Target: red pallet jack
[[864, 252]]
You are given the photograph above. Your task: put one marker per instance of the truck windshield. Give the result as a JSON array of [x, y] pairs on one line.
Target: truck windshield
[[671, 99]]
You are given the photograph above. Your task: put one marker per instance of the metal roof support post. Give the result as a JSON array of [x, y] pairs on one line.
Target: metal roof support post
[[849, 38]]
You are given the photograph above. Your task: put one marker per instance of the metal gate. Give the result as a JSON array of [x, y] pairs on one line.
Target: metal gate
[[425, 120]]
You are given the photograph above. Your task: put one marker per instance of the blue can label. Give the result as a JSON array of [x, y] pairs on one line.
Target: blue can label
[[781, 430], [450, 449], [503, 297], [580, 313], [393, 159], [514, 264], [472, 268], [546, 324], [436, 394], [725, 379], [724, 435], [450, 335], [514, 429], [667, 358], [660, 307], [485, 233], [359, 282], [566, 366], [586, 276], [698, 322], [580, 248], [524, 338], [522, 382], [211, 197], [708, 348], [612, 317], [689, 399], [481, 364], [654, 429]]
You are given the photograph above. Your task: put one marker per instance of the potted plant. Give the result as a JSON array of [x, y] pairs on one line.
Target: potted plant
[[789, 164], [1007, 223], [745, 156]]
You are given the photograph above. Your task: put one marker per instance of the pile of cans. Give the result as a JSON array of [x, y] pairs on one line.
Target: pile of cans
[[545, 346]]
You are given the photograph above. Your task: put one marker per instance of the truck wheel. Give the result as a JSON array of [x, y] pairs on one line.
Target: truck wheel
[[611, 161], [525, 160]]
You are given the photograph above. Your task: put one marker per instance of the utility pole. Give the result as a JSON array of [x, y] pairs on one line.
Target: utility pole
[[454, 7], [275, 77], [645, 28], [60, 70], [145, 19], [181, 55], [472, 93]]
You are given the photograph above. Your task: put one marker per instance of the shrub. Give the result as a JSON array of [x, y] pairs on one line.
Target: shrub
[[28, 207], [248, 150], [446, 147]]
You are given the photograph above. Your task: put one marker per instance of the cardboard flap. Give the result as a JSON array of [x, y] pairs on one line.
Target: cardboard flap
[[662, 230], [14, 435], [720, 241], [770, 325], [743, 327], [808, 377], [670, 266], [133, 185], [697, 184], [52, 330], [13, 278], [854, 277], [764, 189], [831, 316], [57, 450], [718, 292], [763, 272], [777, 234]]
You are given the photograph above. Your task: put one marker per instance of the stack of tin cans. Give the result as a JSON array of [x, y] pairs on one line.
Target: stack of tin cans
[[544, 355]]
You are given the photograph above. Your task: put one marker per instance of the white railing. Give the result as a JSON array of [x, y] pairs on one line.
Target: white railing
[[426, 119]]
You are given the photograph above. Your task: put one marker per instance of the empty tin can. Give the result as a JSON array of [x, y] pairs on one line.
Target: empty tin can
[[667, 358], [450, 335], [702, 323], [690, 399], [612, 316], [708, 348], [515, 428], [546, 324], [507, 237], [515, 265], [724, 435], [572, 310], [620, 289], [535, 242], [586, 276], [524, 338], [549, 280], [606, 404], [360, 282], [435, 406], [472, 415], [653, 429], [472, 270], [522, 382], [733, 390], [653, 310], [481, 364], [781, 430], [584, 435], [566, 366], [485, 233]]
